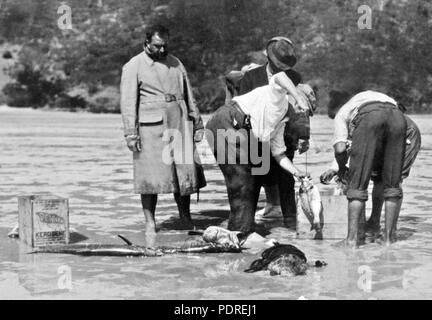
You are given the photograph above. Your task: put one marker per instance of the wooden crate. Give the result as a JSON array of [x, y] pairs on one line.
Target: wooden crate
[[43, 220], [335, 215]]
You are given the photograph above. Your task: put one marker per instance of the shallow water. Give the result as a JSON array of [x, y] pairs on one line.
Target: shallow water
[[83, 157]]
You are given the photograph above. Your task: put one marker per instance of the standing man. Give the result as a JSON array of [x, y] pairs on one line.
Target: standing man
[[378, 130], [161, 124], [279, 183]]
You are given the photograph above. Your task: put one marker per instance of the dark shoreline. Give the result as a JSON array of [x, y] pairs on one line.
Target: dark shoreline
[[80, 110]]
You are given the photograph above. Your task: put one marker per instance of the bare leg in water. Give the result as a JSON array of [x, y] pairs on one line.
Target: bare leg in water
[[373, 224], [392, 209], [355, 210], [362, 227], [183, 205], [148, 202]]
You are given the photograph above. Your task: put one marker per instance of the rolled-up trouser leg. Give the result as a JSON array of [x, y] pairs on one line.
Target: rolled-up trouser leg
[[243, 192]]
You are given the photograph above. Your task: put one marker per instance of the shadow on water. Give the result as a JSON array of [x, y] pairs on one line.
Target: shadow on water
[[76, 237], [202, 221], [209, 218]]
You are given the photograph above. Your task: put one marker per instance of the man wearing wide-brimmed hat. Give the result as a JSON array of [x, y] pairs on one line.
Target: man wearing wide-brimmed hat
[[279, 185]]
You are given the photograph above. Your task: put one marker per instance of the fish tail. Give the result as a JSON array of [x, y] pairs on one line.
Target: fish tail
[[256, 265], [127, 241]]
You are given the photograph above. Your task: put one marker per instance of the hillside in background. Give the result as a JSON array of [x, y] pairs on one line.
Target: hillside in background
[[80, 68]]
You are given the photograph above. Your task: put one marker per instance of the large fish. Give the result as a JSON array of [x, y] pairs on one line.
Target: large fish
[[283, 259], [310, 201], [211, 244]]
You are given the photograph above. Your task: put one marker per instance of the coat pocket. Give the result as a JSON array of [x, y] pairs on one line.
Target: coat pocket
[[153, 112]]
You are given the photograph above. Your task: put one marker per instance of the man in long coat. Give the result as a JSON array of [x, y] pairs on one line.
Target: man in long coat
[[161, 124]]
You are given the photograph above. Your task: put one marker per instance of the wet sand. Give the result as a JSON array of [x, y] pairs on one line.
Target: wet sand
[[83, 157]]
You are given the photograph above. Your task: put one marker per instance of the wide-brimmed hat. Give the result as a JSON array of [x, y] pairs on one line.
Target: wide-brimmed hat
[[280, 50]]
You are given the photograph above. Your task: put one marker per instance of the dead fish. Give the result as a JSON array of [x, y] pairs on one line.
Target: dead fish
[[221, 236], [111, 250], [283, 259], [131, 250], [310, 201]]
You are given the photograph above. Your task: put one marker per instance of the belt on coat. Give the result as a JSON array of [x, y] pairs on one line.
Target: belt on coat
[[162, 98]]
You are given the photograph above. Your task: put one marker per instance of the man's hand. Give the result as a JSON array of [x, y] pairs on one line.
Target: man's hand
[[301, 175], [133, 143], [303, 146], [327, 176], [199, 134], [343, 176]]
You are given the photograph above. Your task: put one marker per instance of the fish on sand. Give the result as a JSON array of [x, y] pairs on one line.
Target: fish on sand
[[213, 241], [283, 259]]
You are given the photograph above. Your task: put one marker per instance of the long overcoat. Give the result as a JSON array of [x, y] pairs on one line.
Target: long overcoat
[[158, 105]]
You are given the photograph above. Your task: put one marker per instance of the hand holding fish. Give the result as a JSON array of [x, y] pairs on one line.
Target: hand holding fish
[[303, 146], [343, 176], [327, 176], [287, 165], [133, 143], [300, 175]]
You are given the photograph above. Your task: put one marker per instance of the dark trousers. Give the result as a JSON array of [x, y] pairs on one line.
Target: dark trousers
[[243, 187], [286, 186], [378, 144]]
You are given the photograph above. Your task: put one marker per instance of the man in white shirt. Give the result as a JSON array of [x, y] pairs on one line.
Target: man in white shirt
[[413, 145], [279, 185], [257, 119], [377, 128]]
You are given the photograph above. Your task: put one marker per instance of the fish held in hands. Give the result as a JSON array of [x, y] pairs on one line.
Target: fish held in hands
[[310, 201]]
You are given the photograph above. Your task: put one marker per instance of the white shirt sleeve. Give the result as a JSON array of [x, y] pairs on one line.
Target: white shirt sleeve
[[275, 88], [341, 123], [277, 142]]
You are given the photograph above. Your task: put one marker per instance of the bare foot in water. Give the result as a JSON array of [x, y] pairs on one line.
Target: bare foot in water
[[150, 228], [372, 229], [290, 223], [388, 240], [383, 241], [346, 244], [185, 224]]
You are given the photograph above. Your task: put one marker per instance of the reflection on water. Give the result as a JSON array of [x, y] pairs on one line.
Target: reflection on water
[[83, 157]]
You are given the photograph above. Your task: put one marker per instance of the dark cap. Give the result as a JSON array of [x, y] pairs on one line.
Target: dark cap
[[280, 51]]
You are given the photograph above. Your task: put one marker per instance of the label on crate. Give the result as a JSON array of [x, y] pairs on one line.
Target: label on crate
[[46, 238], [49, 222]]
